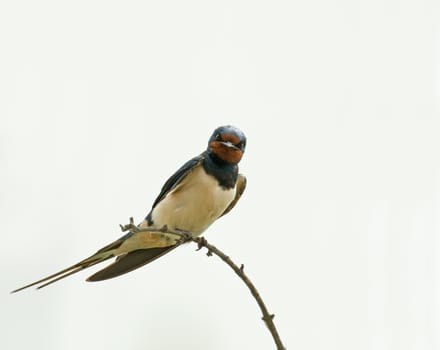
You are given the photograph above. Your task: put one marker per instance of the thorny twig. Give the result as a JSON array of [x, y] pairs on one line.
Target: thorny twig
[[201, 242]]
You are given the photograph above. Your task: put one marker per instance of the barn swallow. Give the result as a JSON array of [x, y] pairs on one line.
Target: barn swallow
[[201, 191]]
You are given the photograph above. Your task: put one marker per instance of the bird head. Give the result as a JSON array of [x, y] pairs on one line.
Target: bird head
[[227, 144]]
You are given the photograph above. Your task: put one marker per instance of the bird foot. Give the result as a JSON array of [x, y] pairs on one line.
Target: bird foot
[[202, 242]]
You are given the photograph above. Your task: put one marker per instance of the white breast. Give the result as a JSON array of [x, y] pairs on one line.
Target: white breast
[[194, 204]]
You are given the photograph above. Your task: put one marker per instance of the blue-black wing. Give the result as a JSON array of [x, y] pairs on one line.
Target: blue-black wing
[[178, 176]]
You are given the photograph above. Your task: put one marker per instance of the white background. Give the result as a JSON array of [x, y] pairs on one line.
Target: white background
[[339, 227]]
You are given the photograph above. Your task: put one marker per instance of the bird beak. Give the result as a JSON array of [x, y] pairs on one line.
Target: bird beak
[[229, 144]]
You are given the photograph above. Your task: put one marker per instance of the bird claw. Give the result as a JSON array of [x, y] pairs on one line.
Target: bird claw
[[202, 242], [185, 235]]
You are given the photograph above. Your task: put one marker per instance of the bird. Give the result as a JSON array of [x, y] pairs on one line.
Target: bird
[[202, 190]]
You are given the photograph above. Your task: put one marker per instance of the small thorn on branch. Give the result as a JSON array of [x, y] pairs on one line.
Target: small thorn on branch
[[241, 267], [130, 226], [271, 316]]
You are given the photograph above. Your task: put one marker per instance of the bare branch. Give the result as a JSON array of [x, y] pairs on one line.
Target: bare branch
[[203, 243]]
